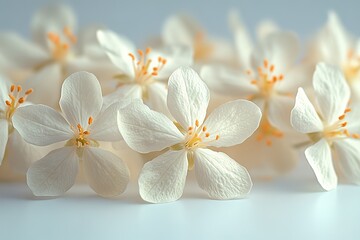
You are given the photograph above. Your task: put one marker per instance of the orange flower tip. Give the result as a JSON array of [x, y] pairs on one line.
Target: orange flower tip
[[90, 120], [281, 77], [29, 91], [190, 128], [148, 50], [266, 63], [8, 103], [207, 134], [86, 132], [155, 69], [19, 88], [347, 110], [272, 68], [132, 56], [12, 88], [342, 117], [197, 122], [253, 82], [274, 79], [160, 59], [140, 52], [164, 61], [190, 133], [217, 137], [21, 100], [204, 129], [344, 124], [154, 73]]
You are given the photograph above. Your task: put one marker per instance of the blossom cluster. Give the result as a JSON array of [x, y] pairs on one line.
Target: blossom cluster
[[72, 100]]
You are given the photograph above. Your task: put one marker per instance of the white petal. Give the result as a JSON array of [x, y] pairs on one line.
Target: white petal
[[188, 97], [118, 49], [104, 127], [41, 125], [81, 98], [243, 42], [127, 91], [157, 94], [233, 122], [4, 130], [220, 176], [46, 84], [163, 179], [304, 117], [332, 91], [266, 27], [145, 130], [52, 18], [279, 112], [21, 154], [106, 173], [319, 158], [180, 30], [352, 119], [22, 53], [5, 85], [280, 49], [227, 81], [54, 174], [348, 151]]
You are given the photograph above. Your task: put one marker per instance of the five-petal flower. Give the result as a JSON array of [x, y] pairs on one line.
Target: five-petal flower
[[187, 139], [82, 126], [331, 125]]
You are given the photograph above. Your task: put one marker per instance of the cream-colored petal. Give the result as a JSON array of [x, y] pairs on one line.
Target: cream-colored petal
[[220, 176], [106, 173], [163, 178], [55, 173]]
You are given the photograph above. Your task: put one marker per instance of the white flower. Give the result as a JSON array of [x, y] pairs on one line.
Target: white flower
[[143, 74], [19, 153], [335, 46], [55, 53], [331, 126], [82, 127], [184, 30], [187, 139]]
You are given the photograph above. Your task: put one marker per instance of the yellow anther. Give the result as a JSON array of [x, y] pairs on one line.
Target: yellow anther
[[90, 120], [197, 123]]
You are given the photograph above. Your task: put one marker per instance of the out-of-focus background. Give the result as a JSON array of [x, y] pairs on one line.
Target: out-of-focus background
[[140, 20]]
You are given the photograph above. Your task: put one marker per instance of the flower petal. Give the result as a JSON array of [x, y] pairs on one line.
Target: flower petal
[[304, 117], [266, 27], [233, 122], [127, 91], [163, 179], [104, 127], [51, 18], [81, 98], [220, 176], [23, 53], [41, 125], [4, 92], [279, 112], [348, 151], [157, 94], [106, 173], [118, 48], [4, 130], [46, 84], [145, 130], [188, 97], [319, 158], [227, 81], [21, 154], [54, 174], [332, 91]]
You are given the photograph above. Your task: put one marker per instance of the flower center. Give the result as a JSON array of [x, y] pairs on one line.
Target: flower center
[[16, 99], [198, 136], [61, 49], [202, 48], [267, 132], [265, 79], [82, 136], [351, 68]]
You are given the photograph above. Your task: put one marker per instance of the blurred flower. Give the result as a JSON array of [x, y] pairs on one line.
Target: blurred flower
[[82, 125], [143, 74], [331, 127], [19, 153], [186, 31], [163, 179], [335, 46], [54, 53], [269, 76]]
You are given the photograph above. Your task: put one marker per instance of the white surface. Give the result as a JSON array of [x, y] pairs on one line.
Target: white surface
[[291, 207]]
